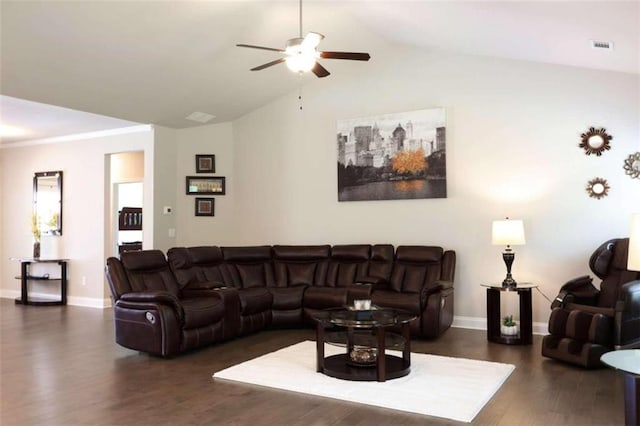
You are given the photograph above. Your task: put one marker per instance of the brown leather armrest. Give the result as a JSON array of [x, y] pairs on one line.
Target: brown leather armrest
[[442, 284], [368, 279], [231, 299], [208, 285], [609, 312], [437, 286], [160, 297], [377, 282], [221, 292], [627, 332]]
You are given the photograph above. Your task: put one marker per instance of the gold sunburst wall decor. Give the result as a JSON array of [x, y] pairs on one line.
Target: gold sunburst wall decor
[[595, 141], [598, 188], [632, 165]]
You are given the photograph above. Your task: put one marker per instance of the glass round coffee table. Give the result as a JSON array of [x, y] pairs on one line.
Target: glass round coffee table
[[366, 335], [627, 361]]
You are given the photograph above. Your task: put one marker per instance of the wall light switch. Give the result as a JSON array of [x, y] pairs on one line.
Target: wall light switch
[[167, 210], [172, 232]]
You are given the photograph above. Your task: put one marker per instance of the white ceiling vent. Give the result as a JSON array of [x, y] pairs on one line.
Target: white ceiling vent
[[200, 117], [603, 45]]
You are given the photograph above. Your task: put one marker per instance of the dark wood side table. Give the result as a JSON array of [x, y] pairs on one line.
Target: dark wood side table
[[525, 335], [628, 361], [26, 277]]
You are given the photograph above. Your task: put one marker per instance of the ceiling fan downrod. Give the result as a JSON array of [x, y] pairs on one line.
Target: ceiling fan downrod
[[300, 26]]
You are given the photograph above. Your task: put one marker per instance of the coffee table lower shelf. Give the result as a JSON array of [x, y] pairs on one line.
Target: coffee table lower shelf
[[338, 366]]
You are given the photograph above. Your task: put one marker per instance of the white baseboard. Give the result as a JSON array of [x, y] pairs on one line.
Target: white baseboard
[[87, 302], [479, 323]]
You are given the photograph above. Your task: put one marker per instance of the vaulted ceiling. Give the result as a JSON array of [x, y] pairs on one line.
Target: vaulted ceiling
[[158, 61]]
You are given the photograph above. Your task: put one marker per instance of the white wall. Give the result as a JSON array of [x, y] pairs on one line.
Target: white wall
[[163, 188], [513, 130], [84, 240], [216, 139], [512, 135]]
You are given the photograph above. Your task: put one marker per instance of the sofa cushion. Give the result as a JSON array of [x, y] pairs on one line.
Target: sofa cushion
[[347, 263], [255, 300], [300, 265], [197, 267], [248, 267], [353, 252], [296, 274], [381, 262], [247, 254], [415, 268], [419, 254], [409, 302], [286, 298], [301, 252], [325, 297], [148, 270]]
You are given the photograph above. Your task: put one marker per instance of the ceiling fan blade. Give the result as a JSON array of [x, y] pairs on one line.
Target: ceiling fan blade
[[260, 47], [319, 70], [268, 64], [354, 56], [312, 40]]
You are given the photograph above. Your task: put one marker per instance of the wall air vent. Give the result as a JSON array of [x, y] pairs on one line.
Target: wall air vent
[[604, 45]]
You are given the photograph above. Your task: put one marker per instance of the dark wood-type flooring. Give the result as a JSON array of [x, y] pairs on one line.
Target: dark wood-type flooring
[[60, 365]]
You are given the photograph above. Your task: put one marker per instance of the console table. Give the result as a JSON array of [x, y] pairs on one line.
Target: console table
[[26, 277], [525, 336]]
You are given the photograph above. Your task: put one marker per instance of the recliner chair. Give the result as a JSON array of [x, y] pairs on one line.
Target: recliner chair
[[586, 322], [154, 314], [421, 282]]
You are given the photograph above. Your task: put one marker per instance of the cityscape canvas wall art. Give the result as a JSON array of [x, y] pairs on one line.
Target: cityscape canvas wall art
[[393, 156]]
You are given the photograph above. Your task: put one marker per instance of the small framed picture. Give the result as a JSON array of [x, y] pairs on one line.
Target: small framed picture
[[205, 185], [205, 206], [205, 163]]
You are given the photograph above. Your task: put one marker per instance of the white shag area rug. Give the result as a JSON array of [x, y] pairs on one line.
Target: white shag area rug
[[452, 388]]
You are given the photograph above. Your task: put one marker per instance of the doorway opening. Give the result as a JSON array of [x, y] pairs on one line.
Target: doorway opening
[[127, 218]]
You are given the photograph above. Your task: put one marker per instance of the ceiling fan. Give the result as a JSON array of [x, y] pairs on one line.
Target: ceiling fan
[[301, 54]]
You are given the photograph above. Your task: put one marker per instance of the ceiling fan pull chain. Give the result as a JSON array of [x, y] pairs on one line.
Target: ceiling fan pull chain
[[300, 97]]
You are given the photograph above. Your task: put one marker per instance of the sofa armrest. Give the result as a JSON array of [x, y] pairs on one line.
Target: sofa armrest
[[231, 300], [227, 294], [579, 290], [369, 279], [437, 286], [443, 285], [378, 283], [207, 285], [607, 312], [627, 324], [155, 297]]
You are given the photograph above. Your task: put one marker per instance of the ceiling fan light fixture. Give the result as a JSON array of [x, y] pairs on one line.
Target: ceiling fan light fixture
[[302, 60], [301, 54], [312, 40]]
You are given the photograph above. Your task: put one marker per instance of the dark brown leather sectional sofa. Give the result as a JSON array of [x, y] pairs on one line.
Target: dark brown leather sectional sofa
[[197, 296]]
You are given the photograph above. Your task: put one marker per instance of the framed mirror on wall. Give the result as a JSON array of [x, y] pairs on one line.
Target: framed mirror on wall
[[47, 202], [595, 141]]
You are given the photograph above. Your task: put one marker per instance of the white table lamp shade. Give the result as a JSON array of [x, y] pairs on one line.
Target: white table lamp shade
[[507, 232], [633, 263]]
